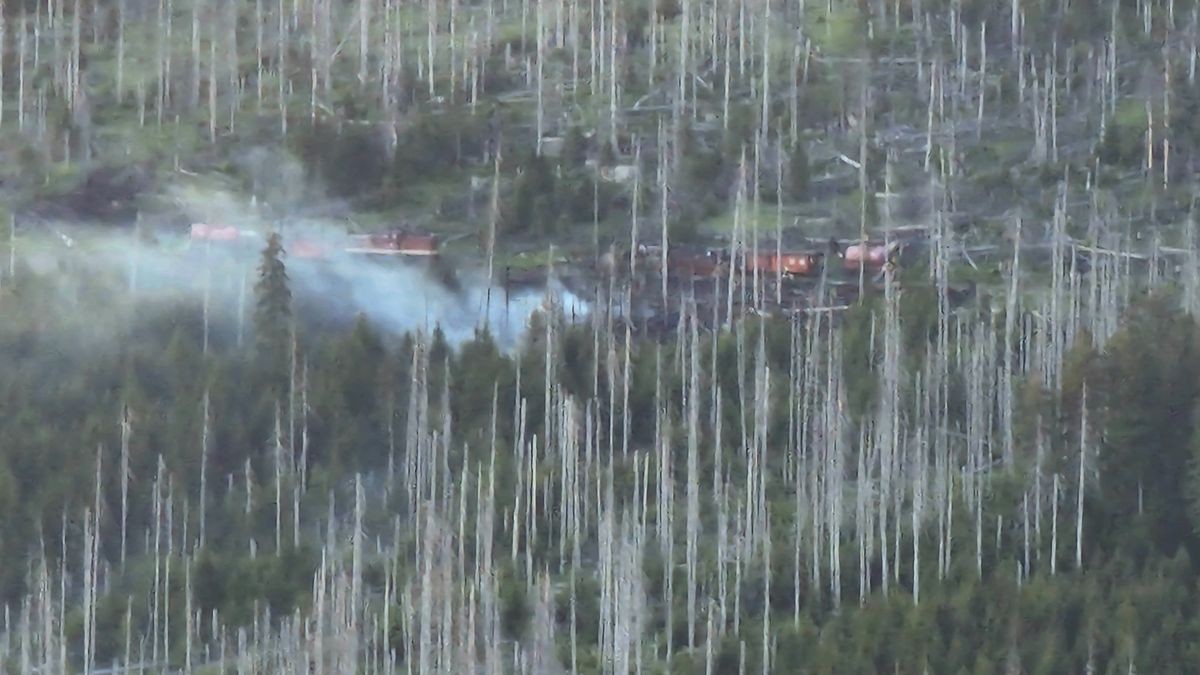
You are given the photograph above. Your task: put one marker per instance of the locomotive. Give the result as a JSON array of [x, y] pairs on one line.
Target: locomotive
[[789, 264]]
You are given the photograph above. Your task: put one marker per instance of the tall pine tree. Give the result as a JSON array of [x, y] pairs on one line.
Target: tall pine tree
[[273, 313]]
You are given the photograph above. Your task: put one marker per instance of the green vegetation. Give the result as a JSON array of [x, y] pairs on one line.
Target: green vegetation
[[878, 474], [997, 587]]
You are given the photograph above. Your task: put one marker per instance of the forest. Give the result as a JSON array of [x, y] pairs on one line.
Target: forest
[[901, 488], [213, 464]]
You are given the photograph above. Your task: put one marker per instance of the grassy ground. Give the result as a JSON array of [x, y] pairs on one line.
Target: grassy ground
[[765, 219]]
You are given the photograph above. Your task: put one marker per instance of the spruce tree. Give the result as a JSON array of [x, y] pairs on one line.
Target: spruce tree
[[273, 311], [1147, 392]]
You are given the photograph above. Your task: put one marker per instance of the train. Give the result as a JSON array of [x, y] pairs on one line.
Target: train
[[703, 270], [683, 263], [697, 263], [394, 242], [397, 242]]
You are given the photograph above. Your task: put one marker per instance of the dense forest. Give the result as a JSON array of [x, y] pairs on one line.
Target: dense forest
[[211, 464], [902, 488]]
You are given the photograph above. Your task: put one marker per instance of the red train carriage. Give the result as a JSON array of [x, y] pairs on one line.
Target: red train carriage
[[395, 242], [789, 263]]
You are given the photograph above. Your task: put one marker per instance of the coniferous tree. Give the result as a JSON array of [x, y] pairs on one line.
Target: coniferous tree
[[1149, 388], [273, 312], [535, 206]]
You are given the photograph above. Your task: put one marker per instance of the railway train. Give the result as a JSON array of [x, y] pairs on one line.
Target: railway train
[[399, 242], [689, 262], [682, 262], [703, 270]]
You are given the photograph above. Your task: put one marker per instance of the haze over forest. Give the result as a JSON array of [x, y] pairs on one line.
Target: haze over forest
[[712, 336]]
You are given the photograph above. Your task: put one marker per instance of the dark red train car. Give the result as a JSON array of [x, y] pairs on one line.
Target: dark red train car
[[395, 242], [789, 263]]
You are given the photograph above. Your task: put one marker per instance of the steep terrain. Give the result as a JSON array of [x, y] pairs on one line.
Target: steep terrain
[[982, 459]]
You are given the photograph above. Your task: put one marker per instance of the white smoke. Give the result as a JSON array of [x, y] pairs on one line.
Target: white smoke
[[395, 294], [401, 296]]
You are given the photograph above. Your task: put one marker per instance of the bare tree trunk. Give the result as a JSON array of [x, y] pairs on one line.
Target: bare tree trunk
[[493, 221], [693, 477], [126, 428], [212, 87], [281, 70], [430, 46], [1083, 434], [541, 57], [21, 50], [633, 227], [120, 52], [1054, 528], [664, 192], [364, 25], [613, 76], [3, 46], [258, 53], [278, 460], [204, 470], [156, 601]]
